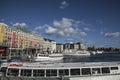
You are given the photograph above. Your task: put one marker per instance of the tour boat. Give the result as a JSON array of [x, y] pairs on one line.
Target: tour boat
[[48, 57], [96, 52], [78, 53], [63, 71]]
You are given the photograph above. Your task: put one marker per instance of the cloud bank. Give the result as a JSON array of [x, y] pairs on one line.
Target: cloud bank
[[64, 28], [113, 35], [20, 25]]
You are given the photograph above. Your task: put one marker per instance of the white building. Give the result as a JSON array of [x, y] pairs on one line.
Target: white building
[[49, 45]]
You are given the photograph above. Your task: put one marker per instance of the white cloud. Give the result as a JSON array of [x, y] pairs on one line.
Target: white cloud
[[115, 34], [50, 30], [20, 25], [69, 30], [61, 34], [63, 5], [64, 23], [83, 34], [37, 29], [87, 29], [65, 28]]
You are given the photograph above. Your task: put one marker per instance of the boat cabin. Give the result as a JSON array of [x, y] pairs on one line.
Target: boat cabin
[[65, 70]]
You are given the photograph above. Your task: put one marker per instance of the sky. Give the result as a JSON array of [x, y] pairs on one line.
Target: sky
[[91, 22]]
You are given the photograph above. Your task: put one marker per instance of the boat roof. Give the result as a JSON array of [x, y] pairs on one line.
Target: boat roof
[[38, 65]]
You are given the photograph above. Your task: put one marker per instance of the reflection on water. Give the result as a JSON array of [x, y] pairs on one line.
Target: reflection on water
[[106, 57]]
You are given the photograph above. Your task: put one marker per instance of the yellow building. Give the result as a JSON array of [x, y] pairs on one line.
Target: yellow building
[[16, 42]]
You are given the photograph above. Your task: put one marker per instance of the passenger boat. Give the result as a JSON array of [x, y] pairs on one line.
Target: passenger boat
[[78, 53], [64, 71], [48, 57]]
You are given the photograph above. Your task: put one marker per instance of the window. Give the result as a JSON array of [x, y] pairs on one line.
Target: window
[[13, 72], [38, 73], [114, 68], [3, 69], [86, 71], [75, 71], [105, 70], [95, 70], [51, 72], [63, 72], [26, 72]]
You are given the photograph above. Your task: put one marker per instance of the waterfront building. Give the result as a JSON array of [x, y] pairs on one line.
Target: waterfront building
[[69, 46], [74, 46], [49, 45], [59, 47], [15, 42]]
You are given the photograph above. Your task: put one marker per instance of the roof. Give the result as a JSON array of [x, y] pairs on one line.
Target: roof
[[37, 65]]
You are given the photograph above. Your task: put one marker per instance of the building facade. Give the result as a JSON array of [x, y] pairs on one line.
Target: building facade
[[16, 42], [49, 45], [59, 47], [70, 46]]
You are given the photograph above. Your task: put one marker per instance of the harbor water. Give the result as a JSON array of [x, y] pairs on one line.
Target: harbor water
[[105, 57]]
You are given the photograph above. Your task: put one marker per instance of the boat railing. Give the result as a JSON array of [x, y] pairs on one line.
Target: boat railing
[[62, 71]]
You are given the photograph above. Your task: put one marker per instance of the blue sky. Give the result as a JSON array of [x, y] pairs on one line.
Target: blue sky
[[92, 22]]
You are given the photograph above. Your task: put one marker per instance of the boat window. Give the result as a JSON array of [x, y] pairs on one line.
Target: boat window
[[114, 68], [86, 71], [26, 72], [38, 73], [105, 70], [95, 70], [51, 72], [75, 71], [13, 72], [63, 72]]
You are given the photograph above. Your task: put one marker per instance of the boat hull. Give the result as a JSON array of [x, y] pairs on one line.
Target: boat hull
[[106, 77], [103, 77], [76, 54], [47, 58]]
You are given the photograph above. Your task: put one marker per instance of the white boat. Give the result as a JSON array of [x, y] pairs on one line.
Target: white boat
[[64, 71], [78, 53], [96, 52], [48, 57]]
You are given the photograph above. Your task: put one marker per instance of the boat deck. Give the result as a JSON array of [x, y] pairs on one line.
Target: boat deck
[[20, 78], [39, 65]]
